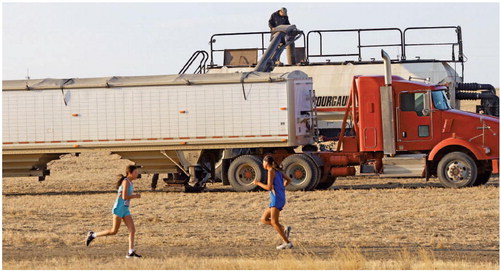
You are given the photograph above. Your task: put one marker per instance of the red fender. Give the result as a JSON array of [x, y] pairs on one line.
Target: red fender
[[479, 152]]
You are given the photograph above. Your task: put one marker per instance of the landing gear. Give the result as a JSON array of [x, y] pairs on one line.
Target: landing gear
[[197, 180], [154, 181]]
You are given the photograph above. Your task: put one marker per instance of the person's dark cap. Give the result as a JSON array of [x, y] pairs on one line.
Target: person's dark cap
[[284, 10]]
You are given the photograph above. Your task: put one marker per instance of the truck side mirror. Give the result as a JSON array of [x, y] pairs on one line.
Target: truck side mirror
[[427, 105], [426, 112]]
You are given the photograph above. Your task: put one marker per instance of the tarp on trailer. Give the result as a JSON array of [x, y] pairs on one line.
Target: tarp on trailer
[[155, 80]]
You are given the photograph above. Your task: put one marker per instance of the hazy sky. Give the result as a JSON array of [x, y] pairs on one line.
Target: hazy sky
[[64, 40]]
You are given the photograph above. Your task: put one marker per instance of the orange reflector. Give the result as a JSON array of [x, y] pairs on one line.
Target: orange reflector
[[183, 143], [283, 108], [74, 115], [76, 146], [284, 140], [182, 111]]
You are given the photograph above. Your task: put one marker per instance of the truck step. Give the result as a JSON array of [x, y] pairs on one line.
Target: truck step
[[404, 165]]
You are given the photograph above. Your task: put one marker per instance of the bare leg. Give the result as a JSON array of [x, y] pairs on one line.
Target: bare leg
[[275, 213], [116, 225], [132, 230], [265, 218]]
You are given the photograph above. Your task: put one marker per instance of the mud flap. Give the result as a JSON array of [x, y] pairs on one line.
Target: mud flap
[[495, 166]]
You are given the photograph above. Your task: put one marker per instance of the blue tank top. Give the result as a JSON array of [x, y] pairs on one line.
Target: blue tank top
[[278, 187], [120, 201]]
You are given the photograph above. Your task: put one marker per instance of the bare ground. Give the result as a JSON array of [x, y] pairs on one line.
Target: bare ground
[[380, 216]]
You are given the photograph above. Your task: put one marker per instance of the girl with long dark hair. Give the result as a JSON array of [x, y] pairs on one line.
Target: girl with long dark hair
[[276, 184], [121, 210]]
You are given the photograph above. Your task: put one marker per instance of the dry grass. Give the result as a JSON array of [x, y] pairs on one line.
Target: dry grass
[[411, 226], [344, 259], [430, 217]]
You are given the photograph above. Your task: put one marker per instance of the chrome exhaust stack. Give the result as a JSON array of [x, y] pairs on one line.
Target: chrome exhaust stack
[[387, 113], [387, 68]]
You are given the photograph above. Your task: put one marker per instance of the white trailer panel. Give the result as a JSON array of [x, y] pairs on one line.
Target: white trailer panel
[[224, 110]]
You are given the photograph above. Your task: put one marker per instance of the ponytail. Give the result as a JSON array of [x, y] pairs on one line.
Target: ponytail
[[270, 160], [120, 179], [128, 170]]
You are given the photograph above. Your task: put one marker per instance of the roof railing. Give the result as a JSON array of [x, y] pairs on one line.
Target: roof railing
[[402, 45]]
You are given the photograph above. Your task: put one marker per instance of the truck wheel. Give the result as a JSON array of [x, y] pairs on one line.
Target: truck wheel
[[483, 178], [243, 171], [457, 169], [302, 170], [328, 183]]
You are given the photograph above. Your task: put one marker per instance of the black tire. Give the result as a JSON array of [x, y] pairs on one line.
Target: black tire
[[243, 171], [302, 170], [327, 183], [456, 170], [483, 178]]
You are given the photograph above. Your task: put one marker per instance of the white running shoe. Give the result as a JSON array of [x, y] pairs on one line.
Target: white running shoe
[[133, 255], [89, 238], [285, 246], [287, 231]]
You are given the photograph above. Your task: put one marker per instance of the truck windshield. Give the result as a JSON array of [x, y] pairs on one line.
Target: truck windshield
[[440, 100]]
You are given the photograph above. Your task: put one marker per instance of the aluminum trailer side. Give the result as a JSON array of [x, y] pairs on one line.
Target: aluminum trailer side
[[163, 123]]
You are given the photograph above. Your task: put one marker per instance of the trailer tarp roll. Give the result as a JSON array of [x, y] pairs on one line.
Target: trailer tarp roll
[[156, 80]]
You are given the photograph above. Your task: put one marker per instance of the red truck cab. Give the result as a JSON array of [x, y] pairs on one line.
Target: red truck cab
[[461, 148]]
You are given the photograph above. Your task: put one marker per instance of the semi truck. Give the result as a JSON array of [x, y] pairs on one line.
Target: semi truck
[[187, 125], [332, 57]]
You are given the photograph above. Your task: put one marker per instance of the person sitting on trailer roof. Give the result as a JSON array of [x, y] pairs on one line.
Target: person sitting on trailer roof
[[278, 17]]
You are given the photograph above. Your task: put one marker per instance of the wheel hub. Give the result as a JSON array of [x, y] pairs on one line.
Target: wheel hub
[[246, 174], [458, 171], [297, 173]]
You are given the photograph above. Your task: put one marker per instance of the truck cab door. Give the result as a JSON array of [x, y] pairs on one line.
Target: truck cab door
[[414, 121]]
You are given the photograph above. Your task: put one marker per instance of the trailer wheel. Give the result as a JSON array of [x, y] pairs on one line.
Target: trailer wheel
[[457, 169], [327, 183], [243, 171], [302, 170]]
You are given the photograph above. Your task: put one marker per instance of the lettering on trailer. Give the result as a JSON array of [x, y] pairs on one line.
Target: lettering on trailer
[[324, 101]]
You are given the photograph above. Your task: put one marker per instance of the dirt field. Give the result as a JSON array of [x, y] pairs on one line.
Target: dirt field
[[359, 223]]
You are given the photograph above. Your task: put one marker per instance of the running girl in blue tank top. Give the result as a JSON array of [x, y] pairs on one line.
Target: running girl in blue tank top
[[121, 210], [276, 184]]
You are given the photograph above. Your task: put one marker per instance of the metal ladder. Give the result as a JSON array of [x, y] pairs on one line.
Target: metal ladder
[[201, 66], [314, 116]]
